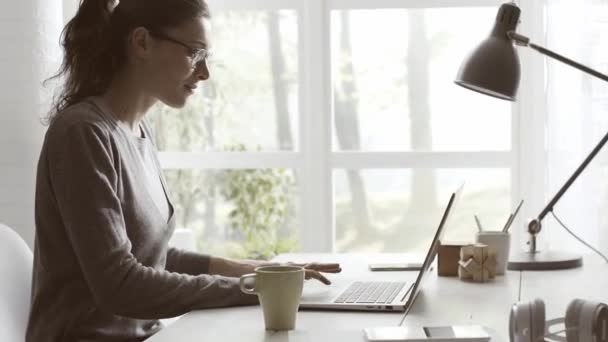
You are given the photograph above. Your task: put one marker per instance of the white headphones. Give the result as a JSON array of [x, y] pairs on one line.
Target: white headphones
[[585, 321]]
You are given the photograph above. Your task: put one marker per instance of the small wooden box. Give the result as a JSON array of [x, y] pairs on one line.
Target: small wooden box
[[447, 258]]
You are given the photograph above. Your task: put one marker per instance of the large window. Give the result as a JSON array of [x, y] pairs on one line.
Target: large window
[[336, 126]]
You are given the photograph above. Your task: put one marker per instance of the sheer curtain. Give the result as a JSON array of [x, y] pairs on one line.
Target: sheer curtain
[[576, 119], [29, 31]]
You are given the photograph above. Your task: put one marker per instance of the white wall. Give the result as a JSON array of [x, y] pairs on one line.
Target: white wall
[[69, 9], [29, 36]]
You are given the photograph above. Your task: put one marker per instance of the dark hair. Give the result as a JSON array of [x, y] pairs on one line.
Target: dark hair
[[94, 41]]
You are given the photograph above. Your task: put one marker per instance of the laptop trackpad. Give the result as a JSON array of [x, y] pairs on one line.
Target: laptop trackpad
[[314, 291]]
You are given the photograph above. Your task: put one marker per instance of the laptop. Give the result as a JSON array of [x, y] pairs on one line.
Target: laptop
[[383, 296]]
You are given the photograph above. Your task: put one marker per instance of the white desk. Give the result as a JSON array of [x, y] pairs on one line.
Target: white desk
[[442, 301]]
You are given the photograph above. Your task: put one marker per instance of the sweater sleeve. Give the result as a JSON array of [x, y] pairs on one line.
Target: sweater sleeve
[[85, 183], [181, 261]]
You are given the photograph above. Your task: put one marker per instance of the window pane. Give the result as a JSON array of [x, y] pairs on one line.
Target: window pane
[[237, 213], [398, 211], [393, 74], [250, 101]]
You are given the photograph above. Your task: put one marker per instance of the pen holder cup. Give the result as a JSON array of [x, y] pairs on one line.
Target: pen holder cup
[[501, 243]]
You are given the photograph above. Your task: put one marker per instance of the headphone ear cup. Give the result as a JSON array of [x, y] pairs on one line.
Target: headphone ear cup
[[573, 313], [537, 318], [586, 321], [519, 322], [527, 321], [600, 326]]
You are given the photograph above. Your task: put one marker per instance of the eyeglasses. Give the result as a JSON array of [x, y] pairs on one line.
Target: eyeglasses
[[196, 55]]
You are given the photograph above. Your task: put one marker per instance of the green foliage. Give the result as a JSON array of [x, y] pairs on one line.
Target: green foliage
[[262, 202]]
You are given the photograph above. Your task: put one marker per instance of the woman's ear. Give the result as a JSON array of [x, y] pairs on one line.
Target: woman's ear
[[139, 43]]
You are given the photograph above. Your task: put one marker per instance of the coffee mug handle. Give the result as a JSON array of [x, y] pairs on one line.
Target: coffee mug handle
[[242, 284]]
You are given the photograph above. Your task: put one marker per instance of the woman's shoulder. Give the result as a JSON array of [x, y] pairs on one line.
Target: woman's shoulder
[[82, 116], [85, 113]]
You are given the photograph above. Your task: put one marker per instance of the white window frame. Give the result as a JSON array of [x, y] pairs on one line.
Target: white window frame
[[315, 161]]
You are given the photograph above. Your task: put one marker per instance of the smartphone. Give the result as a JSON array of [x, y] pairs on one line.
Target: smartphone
[[401, 266], [454, 333]]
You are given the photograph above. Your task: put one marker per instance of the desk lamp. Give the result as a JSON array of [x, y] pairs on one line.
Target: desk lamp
[[493, 69]]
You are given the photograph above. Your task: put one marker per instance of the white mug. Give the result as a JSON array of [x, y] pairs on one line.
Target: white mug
[[279, 289], [501, 243]]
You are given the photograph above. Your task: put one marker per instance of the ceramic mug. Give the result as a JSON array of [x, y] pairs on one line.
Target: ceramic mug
[[279, 289], [500, 242]]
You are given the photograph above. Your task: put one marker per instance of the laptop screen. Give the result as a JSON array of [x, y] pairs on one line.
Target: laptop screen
[[432, 252]]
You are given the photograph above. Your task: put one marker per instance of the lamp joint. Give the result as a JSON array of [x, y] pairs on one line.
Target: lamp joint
[[519, 39]]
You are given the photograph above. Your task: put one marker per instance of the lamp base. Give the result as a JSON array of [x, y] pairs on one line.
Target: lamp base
[[540, 261]]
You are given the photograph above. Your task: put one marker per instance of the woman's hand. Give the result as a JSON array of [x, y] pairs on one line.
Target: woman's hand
[[314, 270]]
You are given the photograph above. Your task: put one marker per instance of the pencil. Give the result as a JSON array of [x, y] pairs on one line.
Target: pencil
[[506, 228], [478, 223], [508, 223]]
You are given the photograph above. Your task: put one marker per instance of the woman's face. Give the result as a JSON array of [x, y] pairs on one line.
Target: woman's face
[[171, 74]]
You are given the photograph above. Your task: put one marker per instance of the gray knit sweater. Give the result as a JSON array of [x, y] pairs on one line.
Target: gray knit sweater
[[102, 267]]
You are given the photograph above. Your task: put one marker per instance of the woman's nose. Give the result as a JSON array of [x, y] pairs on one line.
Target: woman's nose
[[202, 71]]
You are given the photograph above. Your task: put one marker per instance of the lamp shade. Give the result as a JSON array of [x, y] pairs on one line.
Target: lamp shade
[[493, 67]]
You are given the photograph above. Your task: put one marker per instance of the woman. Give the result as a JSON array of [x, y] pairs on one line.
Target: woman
[[102, 267]]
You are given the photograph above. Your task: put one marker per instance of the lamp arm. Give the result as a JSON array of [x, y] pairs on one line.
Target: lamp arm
[[525, 41], [568, 61], [549, 207], [534, 226]]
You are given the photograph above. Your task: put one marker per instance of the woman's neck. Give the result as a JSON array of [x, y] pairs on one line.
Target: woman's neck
[[128, 102]]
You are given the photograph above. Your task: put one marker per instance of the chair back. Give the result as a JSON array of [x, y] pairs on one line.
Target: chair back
[[16, 262]]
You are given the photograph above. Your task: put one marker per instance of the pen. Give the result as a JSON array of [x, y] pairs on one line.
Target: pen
[[512, 217], [508, 223], [478, 224]]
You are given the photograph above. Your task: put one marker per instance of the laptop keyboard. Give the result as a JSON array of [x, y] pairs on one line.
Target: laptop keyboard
[[370, 292]]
